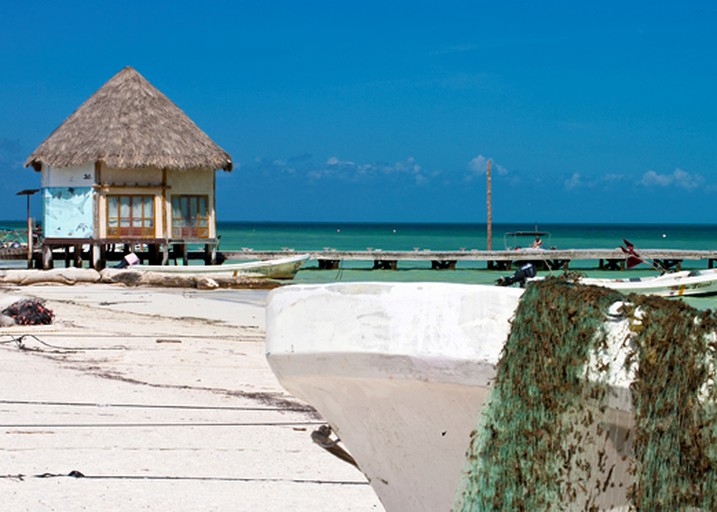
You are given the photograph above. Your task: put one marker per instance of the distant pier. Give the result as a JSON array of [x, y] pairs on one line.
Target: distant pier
[[554, 259], [327, 259]]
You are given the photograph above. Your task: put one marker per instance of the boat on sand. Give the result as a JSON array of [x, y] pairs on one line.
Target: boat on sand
[[404, 374], [399, 371], [278, 268]]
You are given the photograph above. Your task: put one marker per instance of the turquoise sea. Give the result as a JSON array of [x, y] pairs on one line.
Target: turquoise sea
[[301, 237], [316, 236], [305, 237], [388, 236]]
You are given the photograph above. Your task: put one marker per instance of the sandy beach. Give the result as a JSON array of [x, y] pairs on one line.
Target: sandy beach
[[157, 399]]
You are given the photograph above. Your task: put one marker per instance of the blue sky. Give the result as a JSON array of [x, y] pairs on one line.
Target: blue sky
[[388, 111]]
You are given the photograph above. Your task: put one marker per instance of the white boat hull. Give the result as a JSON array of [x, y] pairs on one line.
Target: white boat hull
[[279, 268], [402, 372], [374, 359], [408, 435], [696, 283]]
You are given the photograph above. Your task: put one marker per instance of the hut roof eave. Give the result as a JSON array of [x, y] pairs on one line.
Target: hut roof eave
[[128, 123], [36, 162]]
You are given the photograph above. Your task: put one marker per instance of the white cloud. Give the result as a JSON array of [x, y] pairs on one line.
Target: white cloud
[[678, 178], [408, 166], [651, 178], [334, 161], [478, 166], [574, 181], [353, 171], [275, 166], [578, 180]]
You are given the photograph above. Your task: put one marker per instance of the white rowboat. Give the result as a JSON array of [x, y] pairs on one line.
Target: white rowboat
[[698, 283], [279, 268]]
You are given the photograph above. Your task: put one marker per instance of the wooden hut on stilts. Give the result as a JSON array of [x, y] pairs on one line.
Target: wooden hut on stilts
[[128, 171]]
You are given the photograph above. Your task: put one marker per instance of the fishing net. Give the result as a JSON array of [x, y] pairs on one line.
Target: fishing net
[[555, 435], [29, 312]]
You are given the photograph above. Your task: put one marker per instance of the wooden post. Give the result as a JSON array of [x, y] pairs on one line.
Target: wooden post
[[489, 243], [77, 249], [47, 259], [97, 256], [27, 193], [185, 255], [30, 234], [165, 253]]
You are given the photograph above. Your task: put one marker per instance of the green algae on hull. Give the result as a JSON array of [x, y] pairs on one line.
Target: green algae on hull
[[547, 440]]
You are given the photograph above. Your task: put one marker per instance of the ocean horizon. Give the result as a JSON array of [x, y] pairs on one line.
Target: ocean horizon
[[403, 236], [346, 236], [449, 236], [458, 236]]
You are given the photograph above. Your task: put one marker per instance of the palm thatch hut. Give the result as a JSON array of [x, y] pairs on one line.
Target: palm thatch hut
[[128, 168]]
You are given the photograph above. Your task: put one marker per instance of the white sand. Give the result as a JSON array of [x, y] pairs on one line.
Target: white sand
[[163, 399]]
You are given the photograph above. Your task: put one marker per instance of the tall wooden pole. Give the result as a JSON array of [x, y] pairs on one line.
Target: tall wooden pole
[[490, 210], [29, 234]]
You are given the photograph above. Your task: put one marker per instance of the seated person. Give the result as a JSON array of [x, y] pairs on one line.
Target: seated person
[[537, 243]]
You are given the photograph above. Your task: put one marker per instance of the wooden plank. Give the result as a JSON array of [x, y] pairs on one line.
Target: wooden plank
[[547, 255]]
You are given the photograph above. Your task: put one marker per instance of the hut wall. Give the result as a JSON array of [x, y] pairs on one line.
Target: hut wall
[[103, 211], [137, 184], [78, 176], [147, 176], [68, 201], [76, 201], [194, 183]]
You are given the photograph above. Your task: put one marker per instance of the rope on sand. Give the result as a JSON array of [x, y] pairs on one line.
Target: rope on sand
[[78, 474], [20, 342], [35, 403]]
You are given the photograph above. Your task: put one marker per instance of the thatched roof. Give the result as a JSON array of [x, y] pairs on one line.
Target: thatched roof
[[129, 123]]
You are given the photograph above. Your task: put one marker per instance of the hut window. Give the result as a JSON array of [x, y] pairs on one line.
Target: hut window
[[190, 216], [130, 216]]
